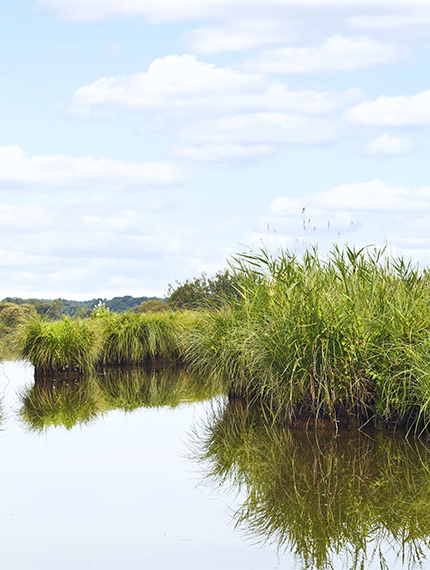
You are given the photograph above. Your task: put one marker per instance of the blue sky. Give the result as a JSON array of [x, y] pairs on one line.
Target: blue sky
[[146, 141]]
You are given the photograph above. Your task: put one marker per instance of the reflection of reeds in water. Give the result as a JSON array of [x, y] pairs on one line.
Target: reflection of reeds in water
[[61, 403], [51, 402], [322, 494], [130, 388], [2, 414]]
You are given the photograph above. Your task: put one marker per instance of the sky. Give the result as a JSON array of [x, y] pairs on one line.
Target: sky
[[143, 142]]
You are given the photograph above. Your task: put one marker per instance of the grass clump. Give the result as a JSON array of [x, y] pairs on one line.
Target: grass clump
[[72, 346], [134, 338], [342, 340]]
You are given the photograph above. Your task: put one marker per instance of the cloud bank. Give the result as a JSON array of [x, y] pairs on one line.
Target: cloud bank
[[62, 171]]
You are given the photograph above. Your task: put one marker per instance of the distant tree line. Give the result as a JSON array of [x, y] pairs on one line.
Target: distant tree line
[[193, 294], [57, 308], [204, 292]]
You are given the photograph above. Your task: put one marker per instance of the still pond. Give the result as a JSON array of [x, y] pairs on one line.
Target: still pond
[[157, 470]]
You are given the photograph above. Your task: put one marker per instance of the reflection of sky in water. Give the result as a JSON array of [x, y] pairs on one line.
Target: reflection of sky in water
[[116, 494]]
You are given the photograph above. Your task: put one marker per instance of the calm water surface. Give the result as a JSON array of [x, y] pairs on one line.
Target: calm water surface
[[200, 485]]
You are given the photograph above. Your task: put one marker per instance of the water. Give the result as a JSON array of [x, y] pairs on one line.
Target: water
[[192, 484]]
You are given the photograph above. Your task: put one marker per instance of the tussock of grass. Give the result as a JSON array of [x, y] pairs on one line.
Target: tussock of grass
[[79, 345], [65, 346], [132, 338], [344, 339]]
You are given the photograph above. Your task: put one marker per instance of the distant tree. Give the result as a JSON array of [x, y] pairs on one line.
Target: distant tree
[[83, 312], [203, 291], [55, 311], [42, 306], [152, 306], [51, 309], [11, 314]]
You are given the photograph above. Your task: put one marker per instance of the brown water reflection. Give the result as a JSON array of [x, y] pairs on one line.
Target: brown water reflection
[[322, 494]]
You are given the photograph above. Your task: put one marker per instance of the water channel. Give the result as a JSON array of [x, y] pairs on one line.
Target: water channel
[[153, 470]]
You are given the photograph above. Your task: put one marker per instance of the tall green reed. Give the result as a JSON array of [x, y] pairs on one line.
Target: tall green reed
[[342, 339]]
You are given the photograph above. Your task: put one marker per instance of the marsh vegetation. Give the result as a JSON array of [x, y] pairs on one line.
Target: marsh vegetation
[[339, 341], [335, 343], [342, 340]]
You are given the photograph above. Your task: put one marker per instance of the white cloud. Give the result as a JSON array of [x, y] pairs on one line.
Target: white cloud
[[388, 145], [174, 82], [181, 83], [60, 171], [364, 213], [239, 36], [337, 53], [403, 110], [372, 196], [88, 247], [153, 10], [180, 10], [216, 111], [402, 18], [265, 128], [222, 153]]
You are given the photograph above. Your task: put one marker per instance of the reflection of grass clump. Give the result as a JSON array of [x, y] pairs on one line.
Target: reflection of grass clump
[[132, 388], [61, 403], [342, 340], [319, 493]]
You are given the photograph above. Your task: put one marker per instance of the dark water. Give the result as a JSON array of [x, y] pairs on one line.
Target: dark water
[[143, 471]]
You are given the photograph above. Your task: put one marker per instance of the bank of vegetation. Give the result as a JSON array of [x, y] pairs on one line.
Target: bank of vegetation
[[332, 341]]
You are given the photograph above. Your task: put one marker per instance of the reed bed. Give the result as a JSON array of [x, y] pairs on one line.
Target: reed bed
[[341, 340], [81, 345]]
